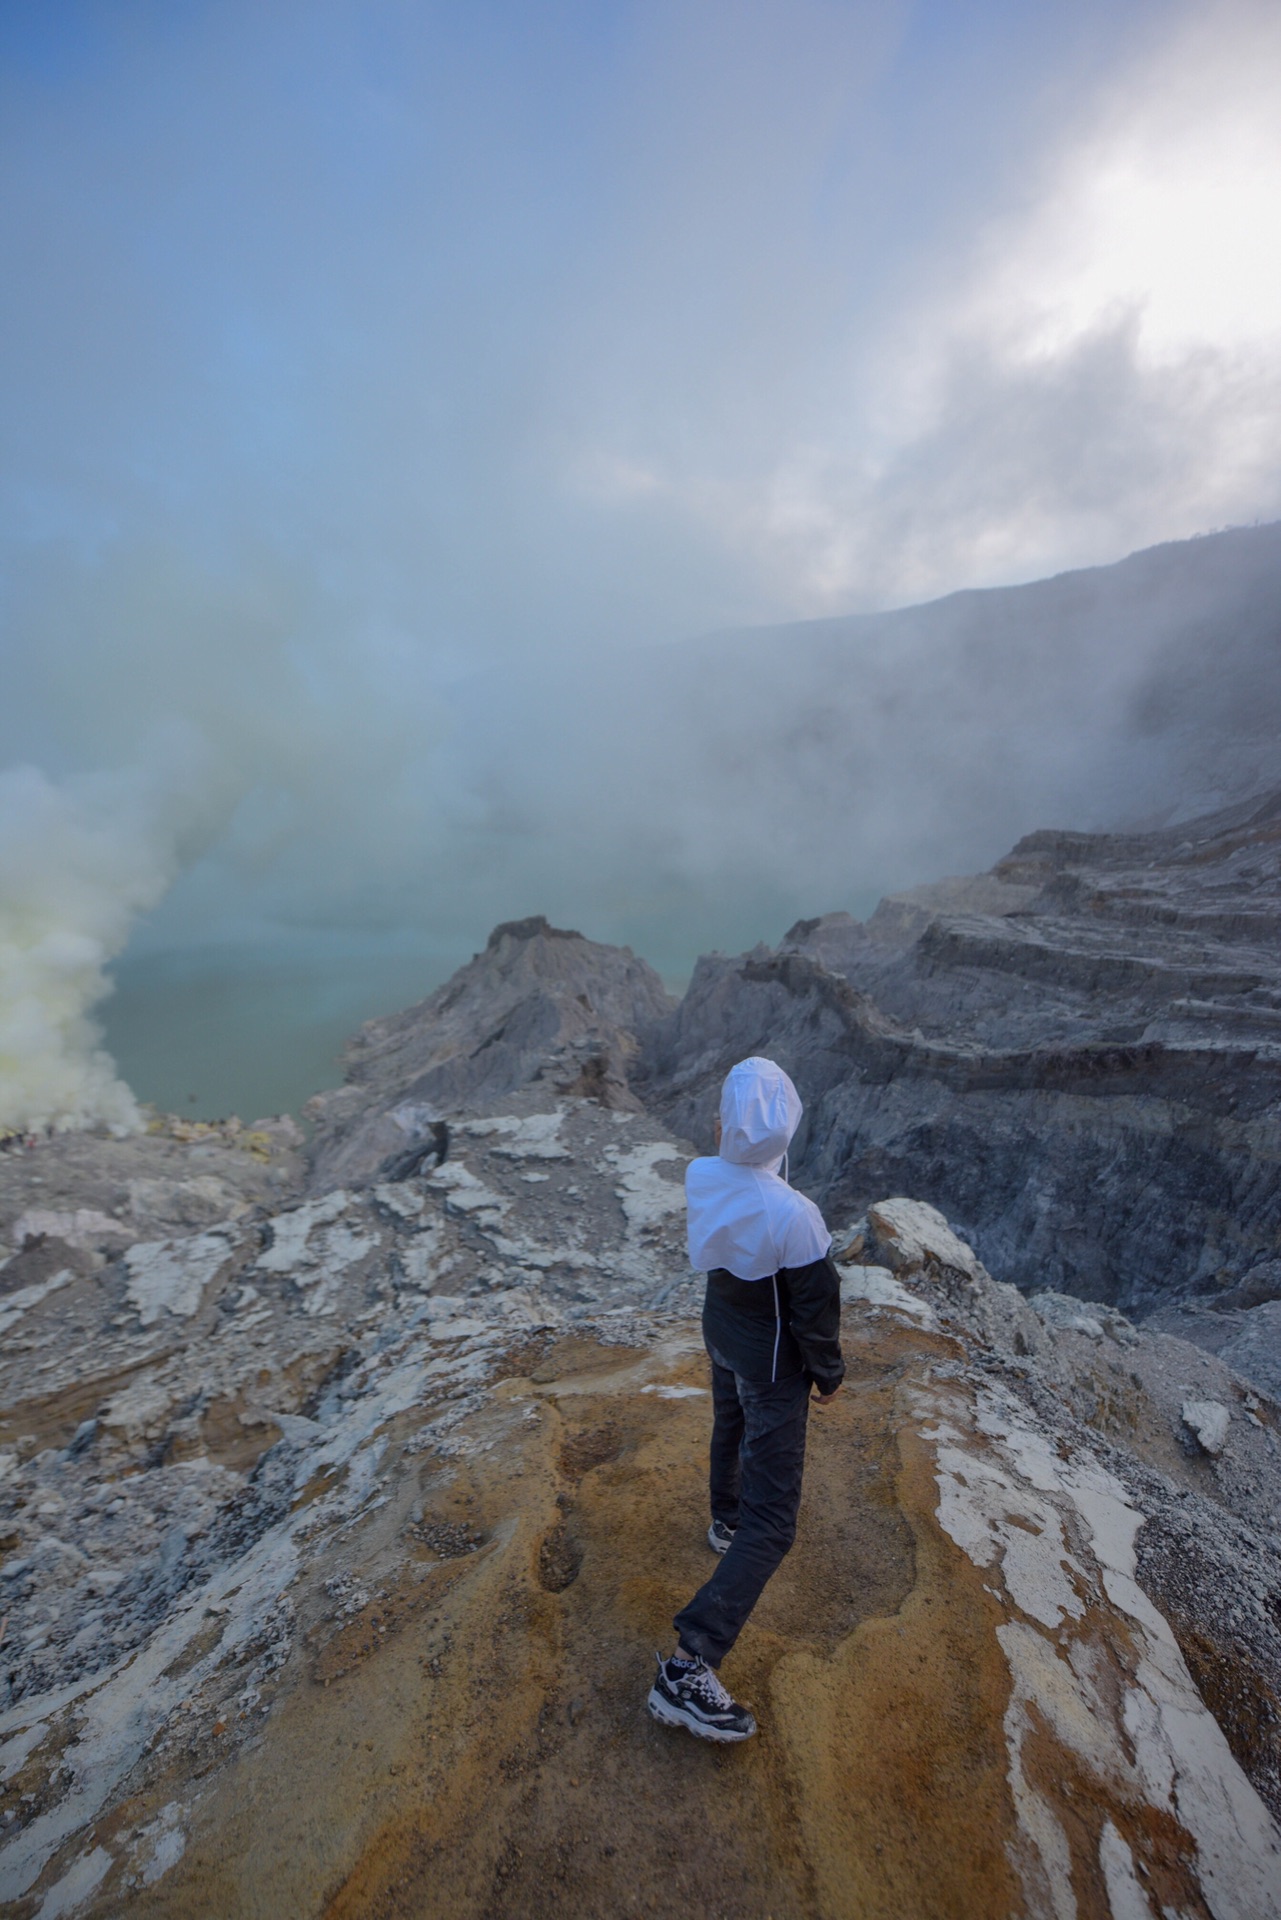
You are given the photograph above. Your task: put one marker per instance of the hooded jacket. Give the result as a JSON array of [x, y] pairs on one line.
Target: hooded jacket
[[773, 1297]]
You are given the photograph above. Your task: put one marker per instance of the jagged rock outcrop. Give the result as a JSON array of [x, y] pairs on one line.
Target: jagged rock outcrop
[[538, 1005], [1076, 1056], [78, 1199]]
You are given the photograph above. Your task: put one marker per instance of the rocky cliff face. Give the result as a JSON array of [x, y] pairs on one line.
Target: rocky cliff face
[[1077, 1057], [539, 1005], [338, 1529]]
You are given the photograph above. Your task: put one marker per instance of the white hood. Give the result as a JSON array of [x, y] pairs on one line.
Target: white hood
[[742, 1215], [760, 1111]]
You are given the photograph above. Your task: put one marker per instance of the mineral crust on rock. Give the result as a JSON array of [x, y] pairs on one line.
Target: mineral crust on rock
[[89, 1195], [338, 1531]]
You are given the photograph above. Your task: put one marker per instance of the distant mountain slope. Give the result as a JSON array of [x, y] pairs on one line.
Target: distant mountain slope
[[706, 790], [1094, 698]]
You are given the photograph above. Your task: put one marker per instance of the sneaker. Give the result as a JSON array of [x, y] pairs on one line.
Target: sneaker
[[719, 1536], [688, 1694]]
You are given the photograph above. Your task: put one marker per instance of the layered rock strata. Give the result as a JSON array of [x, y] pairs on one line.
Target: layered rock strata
[[1076, 1056]]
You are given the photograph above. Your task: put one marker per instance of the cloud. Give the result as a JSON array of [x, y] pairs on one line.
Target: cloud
[[1159, 207], [1087, 372]]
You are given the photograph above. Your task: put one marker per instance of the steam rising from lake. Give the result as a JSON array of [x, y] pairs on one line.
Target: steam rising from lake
[[76, 866]]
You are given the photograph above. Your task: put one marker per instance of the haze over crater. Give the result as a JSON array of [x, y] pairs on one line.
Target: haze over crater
[[391, 395]]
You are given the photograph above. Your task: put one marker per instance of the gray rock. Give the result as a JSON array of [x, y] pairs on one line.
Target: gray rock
[[40, 1257], [1074, 1316], [1076, 1057], [539, 1005], [197, 1434], [1209, 1420], [99, 1195], [1261, 1285]]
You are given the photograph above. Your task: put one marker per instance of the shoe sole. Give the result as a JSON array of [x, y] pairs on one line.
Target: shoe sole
[[669, 1716]]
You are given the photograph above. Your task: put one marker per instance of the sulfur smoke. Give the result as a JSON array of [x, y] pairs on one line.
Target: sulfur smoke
[[77, 864]]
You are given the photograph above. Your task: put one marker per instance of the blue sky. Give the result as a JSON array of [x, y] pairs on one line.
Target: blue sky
[[353, 350]]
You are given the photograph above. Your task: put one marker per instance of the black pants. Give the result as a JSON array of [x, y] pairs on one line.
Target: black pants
[[758, 1456]]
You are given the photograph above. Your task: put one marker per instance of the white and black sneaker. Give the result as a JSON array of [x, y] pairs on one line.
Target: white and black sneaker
[[719, 1536], [688, 1694]]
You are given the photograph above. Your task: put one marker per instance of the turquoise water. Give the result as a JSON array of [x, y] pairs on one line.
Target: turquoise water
[[217, 1031]]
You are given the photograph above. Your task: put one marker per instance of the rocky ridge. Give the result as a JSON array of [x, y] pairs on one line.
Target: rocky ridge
[[541, 1005], [1076, 1056], [337, 1531]]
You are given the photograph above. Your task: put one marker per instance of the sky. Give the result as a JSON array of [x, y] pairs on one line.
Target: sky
[[364, 360]]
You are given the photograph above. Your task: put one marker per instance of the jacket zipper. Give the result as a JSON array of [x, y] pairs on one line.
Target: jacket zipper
[[778, 1332], [778, 1317]]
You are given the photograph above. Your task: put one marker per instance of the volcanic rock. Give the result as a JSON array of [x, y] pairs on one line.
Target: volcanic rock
[[97, 1195], [337, 1529], [1076, 1057], [1210, 1421], [540, 1004], [342, 1603], [337, 1533]]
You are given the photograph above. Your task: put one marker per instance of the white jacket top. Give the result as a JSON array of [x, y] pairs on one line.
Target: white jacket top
[[742, 1215]]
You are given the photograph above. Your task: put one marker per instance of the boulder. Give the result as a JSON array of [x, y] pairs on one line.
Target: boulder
[[1260, 1286], [1209, 1421], [912, 1237]]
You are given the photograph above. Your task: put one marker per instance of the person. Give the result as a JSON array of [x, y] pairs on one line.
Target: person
[[771, 1325]]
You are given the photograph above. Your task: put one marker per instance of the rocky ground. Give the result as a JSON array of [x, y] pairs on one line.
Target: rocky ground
[[347, 1489]]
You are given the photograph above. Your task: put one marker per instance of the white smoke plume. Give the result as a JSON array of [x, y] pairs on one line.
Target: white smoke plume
[[77, 864]]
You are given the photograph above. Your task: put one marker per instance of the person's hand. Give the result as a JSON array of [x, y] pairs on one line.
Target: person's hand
[[826, 1399]]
